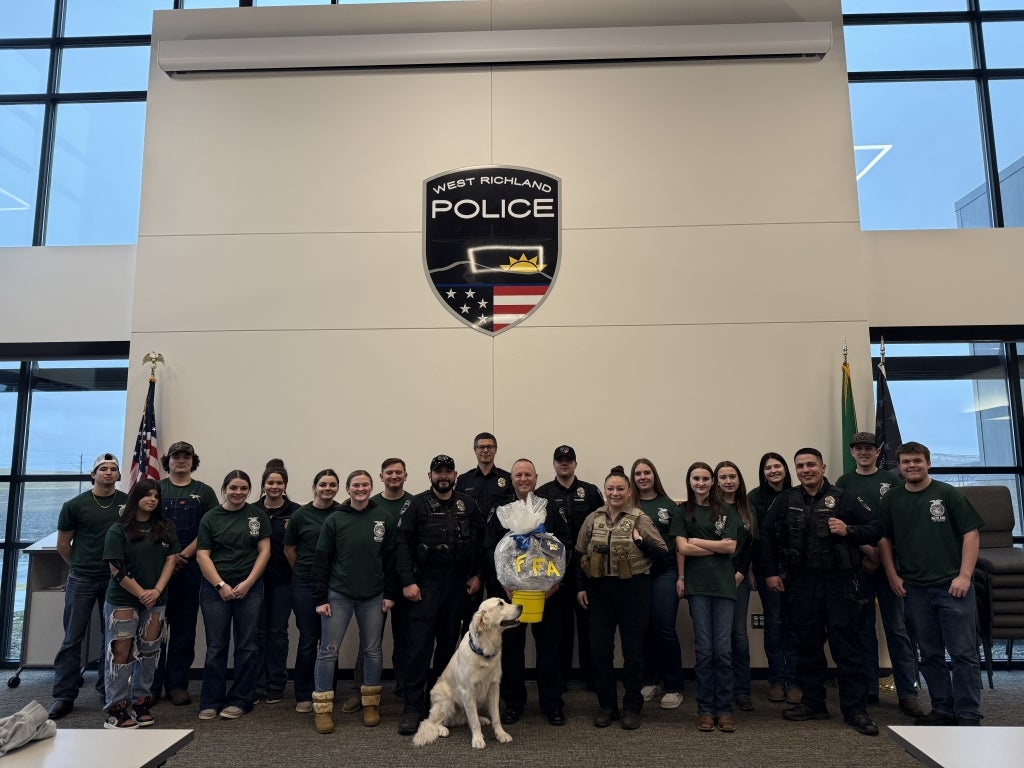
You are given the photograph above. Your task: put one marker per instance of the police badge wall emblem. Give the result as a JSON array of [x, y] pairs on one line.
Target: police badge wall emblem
[[491, 239]]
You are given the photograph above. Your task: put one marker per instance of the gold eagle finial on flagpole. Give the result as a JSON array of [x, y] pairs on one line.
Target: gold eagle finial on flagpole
[[152, 359]]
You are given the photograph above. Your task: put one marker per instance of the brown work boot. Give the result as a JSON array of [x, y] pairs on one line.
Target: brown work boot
[[323, 706], [794, 695], [371, 705]]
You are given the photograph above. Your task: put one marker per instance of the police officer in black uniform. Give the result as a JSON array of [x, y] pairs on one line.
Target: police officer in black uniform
[[810, 552], [489, 486], [440, 539], [547, 633], [574, 499]]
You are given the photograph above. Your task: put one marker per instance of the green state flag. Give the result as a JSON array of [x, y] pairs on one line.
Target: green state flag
[[849, 419]]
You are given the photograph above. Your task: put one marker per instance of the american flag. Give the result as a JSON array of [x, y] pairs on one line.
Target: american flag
[[492, 308], [146, 459]]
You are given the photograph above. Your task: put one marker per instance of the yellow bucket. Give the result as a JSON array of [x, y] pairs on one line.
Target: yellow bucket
[[532, 601]]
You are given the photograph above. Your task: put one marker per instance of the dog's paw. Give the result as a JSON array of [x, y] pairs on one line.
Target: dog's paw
[[485, 720], [442, 732], [478, 742], [503, 737]]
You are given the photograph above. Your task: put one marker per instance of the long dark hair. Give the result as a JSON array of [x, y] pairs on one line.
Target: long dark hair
[[787, 481], [690, 504], [742, 506], [159, 526]]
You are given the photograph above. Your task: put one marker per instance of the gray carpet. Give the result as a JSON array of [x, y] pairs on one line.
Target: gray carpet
[[275, 735]]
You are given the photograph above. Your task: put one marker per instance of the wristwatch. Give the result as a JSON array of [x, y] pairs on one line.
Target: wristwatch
[[218, 585]]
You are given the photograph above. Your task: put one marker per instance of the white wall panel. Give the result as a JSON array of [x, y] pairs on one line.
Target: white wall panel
[[339, 152], [657, 144]]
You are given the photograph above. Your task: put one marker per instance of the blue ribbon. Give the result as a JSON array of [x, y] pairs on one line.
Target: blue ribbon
[[522, 540]]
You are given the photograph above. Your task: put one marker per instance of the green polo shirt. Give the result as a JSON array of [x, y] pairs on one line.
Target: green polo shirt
[[303, 532], [710, 575], [232, 537]]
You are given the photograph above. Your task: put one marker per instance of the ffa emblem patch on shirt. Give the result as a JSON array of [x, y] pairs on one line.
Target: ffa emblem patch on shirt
[[720, 524], [378, 531], [938, 511], [830, 502], [120, 510], [663, 515], [501, 482], [254, 527], [884, 489]]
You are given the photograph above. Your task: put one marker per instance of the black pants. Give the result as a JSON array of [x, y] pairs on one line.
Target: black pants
[[574, 616], [624, 604], [828, 610], [182, 615], [436, 619], [547, 638]]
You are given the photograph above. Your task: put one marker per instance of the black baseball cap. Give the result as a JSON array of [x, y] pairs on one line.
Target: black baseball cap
[[442, 461], [565, 453]]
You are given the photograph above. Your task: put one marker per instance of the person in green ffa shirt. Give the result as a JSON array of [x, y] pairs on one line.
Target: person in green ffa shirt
[[662, 654], [233, 550], [706, 538], [870, 484], [393, 475], [139, 550], [929, 548], [81, 530], [300, 538], [353, 573]]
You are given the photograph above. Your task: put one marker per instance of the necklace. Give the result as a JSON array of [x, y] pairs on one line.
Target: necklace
[[96, 499]]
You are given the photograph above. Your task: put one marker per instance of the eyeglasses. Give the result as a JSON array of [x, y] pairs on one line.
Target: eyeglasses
[[486, 448]]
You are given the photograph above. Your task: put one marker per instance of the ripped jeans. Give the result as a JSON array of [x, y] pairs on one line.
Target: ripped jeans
[[370, 620], [133, 680]]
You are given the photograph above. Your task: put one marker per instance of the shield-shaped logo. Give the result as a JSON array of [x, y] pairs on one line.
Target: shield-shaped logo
[[491, 238]]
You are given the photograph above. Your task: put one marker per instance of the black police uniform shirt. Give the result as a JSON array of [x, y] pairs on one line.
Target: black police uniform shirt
[[489, 491], [573, 503], [426, 509]]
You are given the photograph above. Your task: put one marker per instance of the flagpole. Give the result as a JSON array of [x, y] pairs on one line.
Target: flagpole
[[848, 410], [145, 458]]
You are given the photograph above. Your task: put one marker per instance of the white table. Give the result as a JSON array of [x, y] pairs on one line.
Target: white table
[[952, 747], [100, 748]]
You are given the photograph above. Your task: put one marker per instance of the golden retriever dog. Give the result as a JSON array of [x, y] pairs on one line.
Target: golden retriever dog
[[471, 678]]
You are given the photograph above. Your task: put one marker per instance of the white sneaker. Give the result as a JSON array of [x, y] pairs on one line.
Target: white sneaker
[[207, 714], [230, 713], [650, 691], [671, 700], [305, 707]]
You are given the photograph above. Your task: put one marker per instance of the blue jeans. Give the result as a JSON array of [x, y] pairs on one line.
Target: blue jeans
[[308, 623], [941, 623], [901, 650], [272, 638], [81, 593], [740, 641], [779, 639], [133, 680], [712, 644], [233, 619], [663, 656], [369, 619]]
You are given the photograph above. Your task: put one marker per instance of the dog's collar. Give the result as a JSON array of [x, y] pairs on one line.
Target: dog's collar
[[477, 649]]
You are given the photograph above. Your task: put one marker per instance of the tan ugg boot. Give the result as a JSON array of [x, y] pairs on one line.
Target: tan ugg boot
[[371, 704], [323, 706]]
